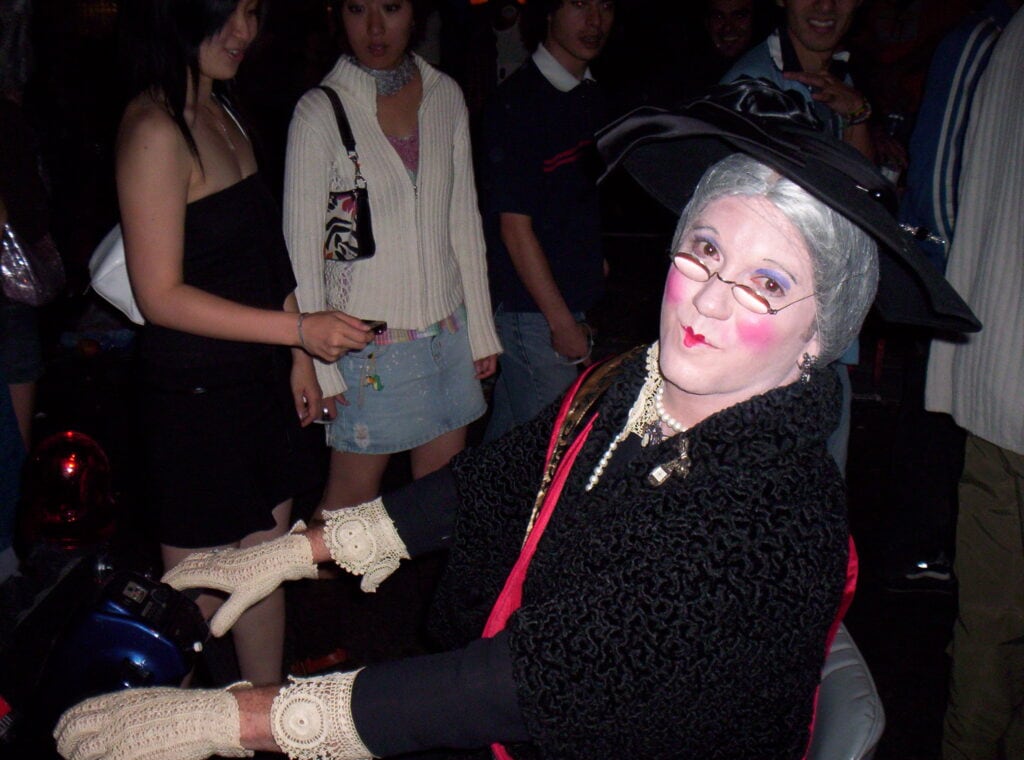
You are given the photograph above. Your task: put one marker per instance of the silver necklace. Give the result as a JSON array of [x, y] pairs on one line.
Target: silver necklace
[[389, 81], [221, 126]]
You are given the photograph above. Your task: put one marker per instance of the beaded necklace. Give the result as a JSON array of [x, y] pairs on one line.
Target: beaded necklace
[[389, 81]]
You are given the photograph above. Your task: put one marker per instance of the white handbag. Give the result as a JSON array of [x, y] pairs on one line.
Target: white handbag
[[108, 275]]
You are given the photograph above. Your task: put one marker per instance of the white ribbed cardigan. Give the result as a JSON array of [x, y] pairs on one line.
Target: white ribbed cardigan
[[980, 381], [430, 247]]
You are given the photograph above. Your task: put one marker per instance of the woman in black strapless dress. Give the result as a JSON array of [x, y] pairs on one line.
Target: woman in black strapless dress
[[222, 398]]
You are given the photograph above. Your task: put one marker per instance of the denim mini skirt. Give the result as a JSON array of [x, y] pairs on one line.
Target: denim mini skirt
[[403, 394]]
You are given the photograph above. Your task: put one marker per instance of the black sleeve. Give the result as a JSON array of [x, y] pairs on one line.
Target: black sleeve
[[463, 699], [497, 485], [424, 511]]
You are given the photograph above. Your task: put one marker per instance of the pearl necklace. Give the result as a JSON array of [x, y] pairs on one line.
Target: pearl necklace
[[389, 81], [644, 418], [665, 417]]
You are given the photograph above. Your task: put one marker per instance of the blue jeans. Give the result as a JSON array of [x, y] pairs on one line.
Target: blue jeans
[[531, 375], [426, 387]]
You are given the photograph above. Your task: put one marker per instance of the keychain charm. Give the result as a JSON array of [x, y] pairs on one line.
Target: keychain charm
[[372, 379]]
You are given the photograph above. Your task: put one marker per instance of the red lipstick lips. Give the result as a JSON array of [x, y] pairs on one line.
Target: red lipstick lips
[[691, 338]]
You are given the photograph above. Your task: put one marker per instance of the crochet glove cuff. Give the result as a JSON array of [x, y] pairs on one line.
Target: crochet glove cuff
[[311, 719], [363, 541]]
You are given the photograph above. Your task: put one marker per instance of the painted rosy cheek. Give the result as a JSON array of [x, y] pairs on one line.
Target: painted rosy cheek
[[758, 334], [675, 287]]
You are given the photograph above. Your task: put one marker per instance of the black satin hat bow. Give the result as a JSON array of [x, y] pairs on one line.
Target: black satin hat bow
[[667, 152]]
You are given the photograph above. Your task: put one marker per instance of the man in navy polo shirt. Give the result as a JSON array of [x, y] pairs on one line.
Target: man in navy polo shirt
[[538, 174]]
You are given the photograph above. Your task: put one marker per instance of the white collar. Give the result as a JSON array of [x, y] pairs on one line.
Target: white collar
[[559, 77]]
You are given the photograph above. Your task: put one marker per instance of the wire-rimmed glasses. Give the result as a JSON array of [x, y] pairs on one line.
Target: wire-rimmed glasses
[[691, 267]]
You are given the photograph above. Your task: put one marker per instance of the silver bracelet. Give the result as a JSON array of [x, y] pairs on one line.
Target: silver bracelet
[[298, 326], [590, 346]]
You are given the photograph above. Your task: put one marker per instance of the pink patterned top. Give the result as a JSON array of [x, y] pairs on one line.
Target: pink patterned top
[[408, 149]]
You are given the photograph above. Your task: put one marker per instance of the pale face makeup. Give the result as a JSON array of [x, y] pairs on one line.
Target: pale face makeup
[[222, 54], [378, 31], [714, 352]]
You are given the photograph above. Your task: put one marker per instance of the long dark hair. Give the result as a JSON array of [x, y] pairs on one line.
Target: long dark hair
[[159, 47]]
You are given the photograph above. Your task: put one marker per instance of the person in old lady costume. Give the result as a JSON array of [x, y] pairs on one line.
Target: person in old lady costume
[[654, 567]]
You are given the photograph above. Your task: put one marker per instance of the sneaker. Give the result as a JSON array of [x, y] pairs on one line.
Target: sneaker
[[938, 569], [935, 575]]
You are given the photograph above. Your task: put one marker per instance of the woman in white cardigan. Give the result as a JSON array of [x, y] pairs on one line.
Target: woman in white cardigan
[[416, 388]]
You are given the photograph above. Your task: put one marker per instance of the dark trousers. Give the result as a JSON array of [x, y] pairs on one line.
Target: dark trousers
[[985, 716], [927, 459]]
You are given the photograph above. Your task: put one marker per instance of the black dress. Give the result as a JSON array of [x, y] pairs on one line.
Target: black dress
[[219, 428]]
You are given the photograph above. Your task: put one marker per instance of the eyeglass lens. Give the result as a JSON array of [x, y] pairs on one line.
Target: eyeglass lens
[[690, 267]]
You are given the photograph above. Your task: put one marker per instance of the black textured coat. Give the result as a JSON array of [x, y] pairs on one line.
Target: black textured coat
[[687, 620]]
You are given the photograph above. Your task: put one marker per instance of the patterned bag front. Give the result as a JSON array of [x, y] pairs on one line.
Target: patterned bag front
[[345, 229], [348, 231]]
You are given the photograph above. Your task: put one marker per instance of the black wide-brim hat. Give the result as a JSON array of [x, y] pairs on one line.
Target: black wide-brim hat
[[667, 152]]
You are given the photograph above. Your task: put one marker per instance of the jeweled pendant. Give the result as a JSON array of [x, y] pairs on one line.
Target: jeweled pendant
[[679, 466], [653, 435], [659, 474]]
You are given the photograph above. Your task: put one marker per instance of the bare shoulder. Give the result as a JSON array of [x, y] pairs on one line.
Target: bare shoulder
[[151, 155], [148, 131]]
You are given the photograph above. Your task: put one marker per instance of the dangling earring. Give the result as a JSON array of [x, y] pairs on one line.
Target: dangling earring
[[806, 365]]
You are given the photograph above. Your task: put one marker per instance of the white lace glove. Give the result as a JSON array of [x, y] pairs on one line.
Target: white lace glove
[[248, 575], [311, 718], [363, 540], [161, 723]]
